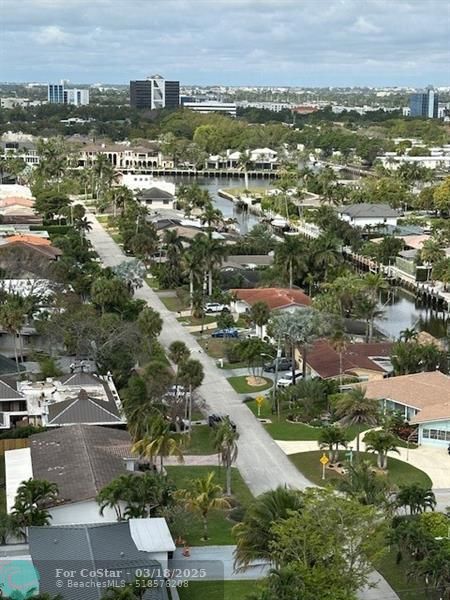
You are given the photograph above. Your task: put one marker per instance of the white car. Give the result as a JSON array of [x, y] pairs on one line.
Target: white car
[[216, 307], [287, 379]]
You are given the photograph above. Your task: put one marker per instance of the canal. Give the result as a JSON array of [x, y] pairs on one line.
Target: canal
[[400, 309]]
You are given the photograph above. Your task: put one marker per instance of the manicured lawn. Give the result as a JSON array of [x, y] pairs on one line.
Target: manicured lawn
[[397, 577], [240, 385], [218, 524], [195, 321], [286, 431], [201, 441], [173, 303], [214, 347], [399, 472], [216, 590]]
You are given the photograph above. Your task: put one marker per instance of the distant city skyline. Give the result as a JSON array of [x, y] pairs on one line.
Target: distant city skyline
[[296, 43]]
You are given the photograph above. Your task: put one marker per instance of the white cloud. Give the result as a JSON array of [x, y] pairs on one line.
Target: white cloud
[[51, 35], [363, 25]]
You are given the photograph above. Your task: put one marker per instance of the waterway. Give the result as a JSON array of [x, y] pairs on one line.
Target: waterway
[[400, 309]]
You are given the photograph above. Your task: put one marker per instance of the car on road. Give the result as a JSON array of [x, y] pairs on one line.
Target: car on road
[[284, 364], [229, 332], [288, 379], [216, 307]]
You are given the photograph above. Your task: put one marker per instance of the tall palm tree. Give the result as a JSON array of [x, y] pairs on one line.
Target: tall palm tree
[[211, 217], [432, 251], [339, 341], [225, 443], [381, 442], [204, 496], [150, 323], [178, 354], [332, 437], [244, 164], [260, 315], [160, 442], [174, 250], [374, 284], [12, 319], [193, 262], [216, 253], [191, 375], [416, 497], [367, 309], [290, 256], [354, 408], [326, 254], [364, 485], [254, 534]]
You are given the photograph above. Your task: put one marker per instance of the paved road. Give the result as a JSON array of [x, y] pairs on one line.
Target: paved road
[[261, 462]]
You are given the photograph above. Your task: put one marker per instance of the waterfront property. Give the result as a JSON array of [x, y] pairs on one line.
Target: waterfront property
[[422, 398], [368, 215]]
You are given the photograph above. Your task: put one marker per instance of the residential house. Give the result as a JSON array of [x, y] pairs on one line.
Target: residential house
[[81, 460], [422, 398], [102, 556], [72, 399], [13, 405], [126, 157], [155, 198], [275, 298], [368, 215], [366, 361]]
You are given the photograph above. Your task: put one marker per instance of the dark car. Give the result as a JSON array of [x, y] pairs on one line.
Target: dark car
[[226, 333], [215, 420], [284, 364]]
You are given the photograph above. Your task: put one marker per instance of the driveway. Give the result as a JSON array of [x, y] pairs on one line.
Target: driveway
[[261, 462]]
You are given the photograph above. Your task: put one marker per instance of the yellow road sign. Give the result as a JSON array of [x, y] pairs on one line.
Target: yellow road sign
[[324, 459], [259, 400]]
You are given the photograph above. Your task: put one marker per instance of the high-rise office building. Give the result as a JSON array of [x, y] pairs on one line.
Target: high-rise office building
[[58, 94], [55, 93], [154, 92], [424, 104]]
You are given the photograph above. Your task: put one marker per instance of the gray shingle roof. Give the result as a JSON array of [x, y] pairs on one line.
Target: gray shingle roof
[[368, 210], [92, 547], [83, 408], [80, 459], [155, 193], [7, 392]]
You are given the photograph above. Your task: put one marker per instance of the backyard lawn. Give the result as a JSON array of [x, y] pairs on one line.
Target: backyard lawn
[[216, 590], [173, 303], [407, 588], [218, 524], [240, 385], [399, 472], [207, 320]]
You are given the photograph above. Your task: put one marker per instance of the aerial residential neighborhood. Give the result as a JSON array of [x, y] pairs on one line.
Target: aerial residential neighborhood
[[224, 300]]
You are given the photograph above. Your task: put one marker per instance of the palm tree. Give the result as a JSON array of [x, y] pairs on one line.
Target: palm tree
[[260, 314], [432, 251], [339, 342], [374, 284], [254, 534], [291, 255], [191, 375], [12, 319], [381, 442], [354, 408], [178, 354], [332, 437], [326, 254], [216, 253], [204, 496], [364, 485], [194, 265], [150, 323], [416, 497], [366, 308], [31, 504], [159, 442], [244, 163], [112, 496], [225, 443], [408, 335], [212, 217]]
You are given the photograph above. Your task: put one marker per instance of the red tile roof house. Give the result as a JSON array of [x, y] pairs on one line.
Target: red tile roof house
[[366, 361], [275, 298]]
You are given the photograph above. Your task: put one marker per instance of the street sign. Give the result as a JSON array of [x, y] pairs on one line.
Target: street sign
[[259, 402], [324, 459]]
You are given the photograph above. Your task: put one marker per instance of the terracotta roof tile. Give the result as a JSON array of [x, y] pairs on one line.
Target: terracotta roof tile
[[273, 297]]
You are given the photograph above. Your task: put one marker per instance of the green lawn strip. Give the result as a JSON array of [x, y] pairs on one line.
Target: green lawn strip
[[237, 365], [240, 385], [196, 321], [214, 347], [201, 442], [397, 577], [399, 472], [173, 303], [216, 590], [219, 525]]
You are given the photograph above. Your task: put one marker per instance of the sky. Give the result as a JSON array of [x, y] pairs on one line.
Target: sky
[[229, 42]]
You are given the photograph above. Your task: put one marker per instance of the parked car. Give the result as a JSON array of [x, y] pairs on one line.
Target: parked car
[[287, 379], [284, 364], [230, 332], [216, 307], [215, 420]]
